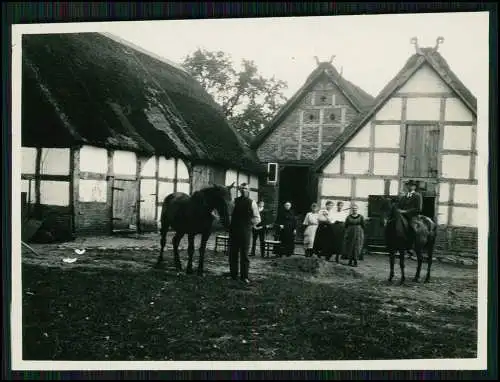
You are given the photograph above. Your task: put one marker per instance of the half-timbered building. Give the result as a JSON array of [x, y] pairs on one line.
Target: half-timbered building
[[421, 126], [302, 130], [108, 130]]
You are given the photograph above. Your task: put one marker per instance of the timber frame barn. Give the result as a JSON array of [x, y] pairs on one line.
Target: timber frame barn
[[108, 130], [302, 130], [422, 126]]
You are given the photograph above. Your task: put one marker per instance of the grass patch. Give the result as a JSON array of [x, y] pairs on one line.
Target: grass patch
[[127, 314]]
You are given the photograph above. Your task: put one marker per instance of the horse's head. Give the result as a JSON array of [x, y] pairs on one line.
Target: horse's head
[[219, 198], [388, 210]]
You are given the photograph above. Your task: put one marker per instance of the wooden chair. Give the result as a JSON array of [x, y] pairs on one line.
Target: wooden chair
[[223, 242]]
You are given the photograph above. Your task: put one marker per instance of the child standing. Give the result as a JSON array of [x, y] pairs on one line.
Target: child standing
[[311, 224]]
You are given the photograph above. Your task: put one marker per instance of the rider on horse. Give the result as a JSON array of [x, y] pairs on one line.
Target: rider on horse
[[410, 206]]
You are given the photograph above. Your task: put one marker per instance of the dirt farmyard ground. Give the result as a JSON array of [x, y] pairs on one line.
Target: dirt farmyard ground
[[113, 304]]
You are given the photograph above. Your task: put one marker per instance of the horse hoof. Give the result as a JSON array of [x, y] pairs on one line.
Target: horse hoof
[[402, 282], [416, 280], [389, 280], [189, 271], [426, 281]]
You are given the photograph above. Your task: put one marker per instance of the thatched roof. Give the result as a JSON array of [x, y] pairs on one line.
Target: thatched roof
[[427, 55], [359, 99], [87, 88]]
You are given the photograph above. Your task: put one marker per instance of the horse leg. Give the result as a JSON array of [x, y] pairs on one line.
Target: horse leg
[[392, 258], [203, 246], [402, 266], [430, 253], [163, 241], [189, 268], [418, 251], [175, 242]]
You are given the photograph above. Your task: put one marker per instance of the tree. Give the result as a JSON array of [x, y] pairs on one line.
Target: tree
[[248, 99]]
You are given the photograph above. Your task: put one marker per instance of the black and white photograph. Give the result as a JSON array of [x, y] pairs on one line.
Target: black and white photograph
[[256, 193]]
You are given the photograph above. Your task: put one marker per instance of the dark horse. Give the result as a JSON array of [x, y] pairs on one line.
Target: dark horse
[[193, 215], [399, 239]]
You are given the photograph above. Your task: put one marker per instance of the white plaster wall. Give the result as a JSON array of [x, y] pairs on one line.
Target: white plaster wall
[[184, 187], [338, 187], [425, 80], [243, 178], [166, 167], [28, 155], [362, 207], [333, 167], [444, 192], [148, 199], [391, 110], [457, 137], [465, 193], [254, 196], [455, 166], [158, 219], [93, 159], [394, 187], [182, 170], [124, 163], [362, 138], [442, 215], [149, 167], [90, 190], [25, 187], [55, 161], [385, 163], [54, 193], [476, 169], [464, 217], [164, 189], [423, 109], [231, 176], [356, 162], [254, 182], [457, 111], [387, 136], [366, 187]]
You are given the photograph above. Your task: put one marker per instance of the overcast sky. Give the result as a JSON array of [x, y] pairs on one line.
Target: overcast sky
[[369, 49]]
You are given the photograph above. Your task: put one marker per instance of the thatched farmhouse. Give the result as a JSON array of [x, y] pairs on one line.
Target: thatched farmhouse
[[304, 128], [109, 130], [421, 126]]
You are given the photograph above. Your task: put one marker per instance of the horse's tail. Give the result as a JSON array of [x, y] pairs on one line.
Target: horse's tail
[[164, 222]]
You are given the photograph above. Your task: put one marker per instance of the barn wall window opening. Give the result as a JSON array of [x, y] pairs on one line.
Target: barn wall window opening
[[272, 172]]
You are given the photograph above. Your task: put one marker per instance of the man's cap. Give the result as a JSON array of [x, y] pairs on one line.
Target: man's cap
[[243, 186], [411, 182]]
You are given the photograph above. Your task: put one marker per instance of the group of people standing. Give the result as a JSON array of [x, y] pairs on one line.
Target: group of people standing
[[327, 232]]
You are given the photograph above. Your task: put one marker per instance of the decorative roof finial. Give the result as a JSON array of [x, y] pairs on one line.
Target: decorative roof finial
[[317, 60], [331, 59], [439, 41], [414, 41]]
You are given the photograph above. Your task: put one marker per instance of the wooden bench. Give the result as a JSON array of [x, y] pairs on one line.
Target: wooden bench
[[223, 241], [271, 247]]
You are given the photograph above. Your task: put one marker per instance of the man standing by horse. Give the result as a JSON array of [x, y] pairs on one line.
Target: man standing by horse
[[244, 218], [410, 206]]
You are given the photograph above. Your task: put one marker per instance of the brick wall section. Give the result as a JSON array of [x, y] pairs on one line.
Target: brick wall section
[[458, 241], [92, 219], [283, 143], [269, 193]]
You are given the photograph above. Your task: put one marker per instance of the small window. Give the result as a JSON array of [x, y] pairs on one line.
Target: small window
[[332, 117], [311, 117], [323, 99], [272, 172]]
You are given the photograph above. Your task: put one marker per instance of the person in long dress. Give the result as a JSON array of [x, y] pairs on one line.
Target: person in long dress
[[354, 235], [287, 225], [311, 225], [323, 243]]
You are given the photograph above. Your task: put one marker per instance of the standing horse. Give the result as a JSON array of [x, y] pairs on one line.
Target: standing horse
[[399, 239], [193, 215]]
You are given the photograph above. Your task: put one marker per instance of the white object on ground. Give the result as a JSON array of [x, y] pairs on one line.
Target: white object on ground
[[79, 251], [67, 260]]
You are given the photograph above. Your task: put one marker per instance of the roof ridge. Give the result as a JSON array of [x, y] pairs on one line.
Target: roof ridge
[[142, 50]]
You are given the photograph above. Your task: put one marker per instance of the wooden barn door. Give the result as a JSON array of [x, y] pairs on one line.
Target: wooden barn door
[[421, 151], [124, 205]]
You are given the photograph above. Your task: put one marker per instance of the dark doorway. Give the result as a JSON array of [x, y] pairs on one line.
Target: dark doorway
[[428, 207], [294, 186]]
